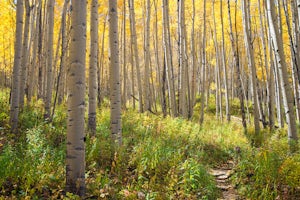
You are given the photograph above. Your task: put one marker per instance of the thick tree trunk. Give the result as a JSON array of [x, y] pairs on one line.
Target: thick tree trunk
[[75, 158], [15, 90], [115, 94]]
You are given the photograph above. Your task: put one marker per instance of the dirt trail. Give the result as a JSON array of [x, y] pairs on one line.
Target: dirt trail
[[222, 174]]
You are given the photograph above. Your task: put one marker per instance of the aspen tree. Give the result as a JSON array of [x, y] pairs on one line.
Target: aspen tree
[[124, 94], [168, 58], [283, 74], [251, 62], [203, 63], [182, 62], [75, 158], [93, 67], [50, 16], [115, 94], [15, 90], [146, 83], [225, 76], [32, 75], [294, 60], [136, 56], [194, 62], [40, 54], [25, 54], [235, 49], [65, 22], [101, 64]]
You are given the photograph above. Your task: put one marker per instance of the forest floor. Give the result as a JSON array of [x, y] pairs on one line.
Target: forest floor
[[161, 158]]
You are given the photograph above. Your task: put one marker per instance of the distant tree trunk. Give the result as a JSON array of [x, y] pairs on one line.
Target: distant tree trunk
[[115, 94], [40, 54], [203, 63], [283, 74], [234, 45], [59, 93], [251, 62], [268, 69], [25, 55], [75, 158], [15, 89], [101, 64], [146, 89], [182, 61], [168, 58], [50, 9], [124, 94], [32, 67], [160, 76], [194, 62], [93, 67], [136, 56], [64, 52], [225, 76]]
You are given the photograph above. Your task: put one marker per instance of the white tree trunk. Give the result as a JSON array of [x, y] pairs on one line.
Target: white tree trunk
[[75, 158], [93, 67], [283, 74], [15, 90], [115, 94]]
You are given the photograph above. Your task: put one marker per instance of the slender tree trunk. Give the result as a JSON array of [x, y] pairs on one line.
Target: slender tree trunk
[[101, 65], [225, 76], [93, 67], [234, 45], [25, 55], [15, 89], [64, 52], [124, 94], [32, 66], [168, 58], [75, 158], [40, 54], [146, 89], [194, 62], [50, 9], [115, 94], [251, 62], [182, 62], [203, 63], [136, 56]]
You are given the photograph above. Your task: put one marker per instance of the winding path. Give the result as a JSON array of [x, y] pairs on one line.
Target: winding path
[[222, 174]]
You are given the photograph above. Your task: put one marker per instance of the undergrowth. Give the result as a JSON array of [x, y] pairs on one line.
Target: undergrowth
[[161, 158]]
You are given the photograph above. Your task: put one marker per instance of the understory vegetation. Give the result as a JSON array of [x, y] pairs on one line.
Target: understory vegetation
[[161, 158]]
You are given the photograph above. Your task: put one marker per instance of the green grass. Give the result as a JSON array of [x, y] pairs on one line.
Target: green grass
[[161, 158]]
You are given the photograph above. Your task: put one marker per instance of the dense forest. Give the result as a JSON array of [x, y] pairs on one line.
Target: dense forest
[[150, 99]]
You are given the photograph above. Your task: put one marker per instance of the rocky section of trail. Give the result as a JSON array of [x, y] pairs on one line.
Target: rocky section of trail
[[222, 174]]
